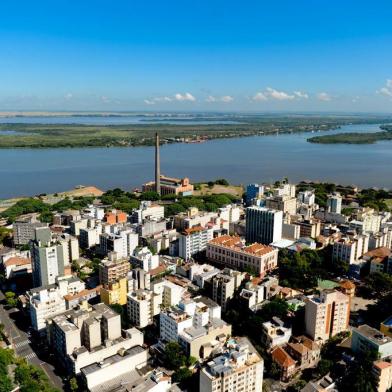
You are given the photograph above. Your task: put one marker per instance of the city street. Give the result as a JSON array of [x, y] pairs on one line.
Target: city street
[[16, 328]]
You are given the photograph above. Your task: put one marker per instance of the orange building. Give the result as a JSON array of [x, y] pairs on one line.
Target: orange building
[[171, 185], [113, 217]]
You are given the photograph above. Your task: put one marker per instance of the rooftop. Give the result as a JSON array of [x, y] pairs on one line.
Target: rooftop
[[373, 334], [235, 243]]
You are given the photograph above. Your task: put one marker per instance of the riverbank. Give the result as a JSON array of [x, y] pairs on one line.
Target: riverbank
[[25, 135]]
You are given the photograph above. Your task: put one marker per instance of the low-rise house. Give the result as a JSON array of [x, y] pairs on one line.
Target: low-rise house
[[304, 351], [284, 361], [17, 266], [275, 333]]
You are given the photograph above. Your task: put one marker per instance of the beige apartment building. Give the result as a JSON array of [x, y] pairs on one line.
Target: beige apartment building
[[231, 252], [238, 368], [142, 306], [327, 314]]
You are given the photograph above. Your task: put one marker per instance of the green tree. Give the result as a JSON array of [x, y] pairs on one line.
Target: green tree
[[182, 374], [174, 356], [10, 299], [150, 195]]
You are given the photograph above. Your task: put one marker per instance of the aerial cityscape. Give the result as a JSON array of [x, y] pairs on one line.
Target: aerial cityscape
[[195, 197]]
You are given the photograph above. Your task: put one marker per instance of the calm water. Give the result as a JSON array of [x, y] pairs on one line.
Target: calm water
[[242, 160], [115, 120]]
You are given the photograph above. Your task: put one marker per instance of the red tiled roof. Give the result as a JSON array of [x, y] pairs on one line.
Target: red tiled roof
[[382, 364], [280, 356], [381, 252], [17, 261]]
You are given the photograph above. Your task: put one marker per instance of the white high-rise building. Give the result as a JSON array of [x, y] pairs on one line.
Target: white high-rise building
[[263, 225], [193, 241], [334, 203], [307, 197]]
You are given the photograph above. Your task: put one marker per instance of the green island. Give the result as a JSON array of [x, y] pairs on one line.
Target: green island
[[354, 137], [21, 135]]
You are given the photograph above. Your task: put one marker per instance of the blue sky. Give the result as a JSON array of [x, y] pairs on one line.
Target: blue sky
[[185, 55]]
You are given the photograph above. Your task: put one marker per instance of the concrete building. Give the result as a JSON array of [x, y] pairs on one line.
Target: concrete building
[[253, 193], [263, 225], [327, 314], [192, 218], [172, 322], [48, 262], [224, 286], [193, 241], [24, 230], [238, 368], [230, 213], [142, 306], [334, 203], [170, 186], [382, 373], [44, 303], [124, 242], [365, 338], [350, 248], [77, 225], [113, 274], [231, 252], [287, 204], [170, 292], [367, 220], [138, 279], [147, 210], [47, 301], [90, 335], [143, 258], [306, 197], [310, 228], [89, 237], [275, 333], [254, 294]]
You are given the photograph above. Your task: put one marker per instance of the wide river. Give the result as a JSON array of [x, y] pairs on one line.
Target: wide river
[[26, 172]]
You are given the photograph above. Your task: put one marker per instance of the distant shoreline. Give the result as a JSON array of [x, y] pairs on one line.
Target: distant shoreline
[[38, 136]]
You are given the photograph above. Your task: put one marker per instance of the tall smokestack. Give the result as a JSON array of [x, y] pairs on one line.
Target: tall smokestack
[[157, 166]]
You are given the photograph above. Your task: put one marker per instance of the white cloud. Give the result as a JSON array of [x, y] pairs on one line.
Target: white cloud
[[387, 89], [185, 97], [105, 99], [301, 94], [279, 95], [259, 97], [225, 99], [68, 96], [149, 102], [324, 97], [210, 99]]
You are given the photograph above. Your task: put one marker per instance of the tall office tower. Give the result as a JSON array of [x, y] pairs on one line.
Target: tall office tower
[[157, 165], [327, 314], [263, 225], [334, 203]]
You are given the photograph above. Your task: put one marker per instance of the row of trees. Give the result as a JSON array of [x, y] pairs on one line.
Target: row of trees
[[30, 205], [29, 378]]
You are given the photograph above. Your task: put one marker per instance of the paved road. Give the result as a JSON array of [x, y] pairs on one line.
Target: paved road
[[23, 345]]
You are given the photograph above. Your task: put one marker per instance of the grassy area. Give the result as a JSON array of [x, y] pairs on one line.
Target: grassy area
[[75, 135], [233, 190]]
